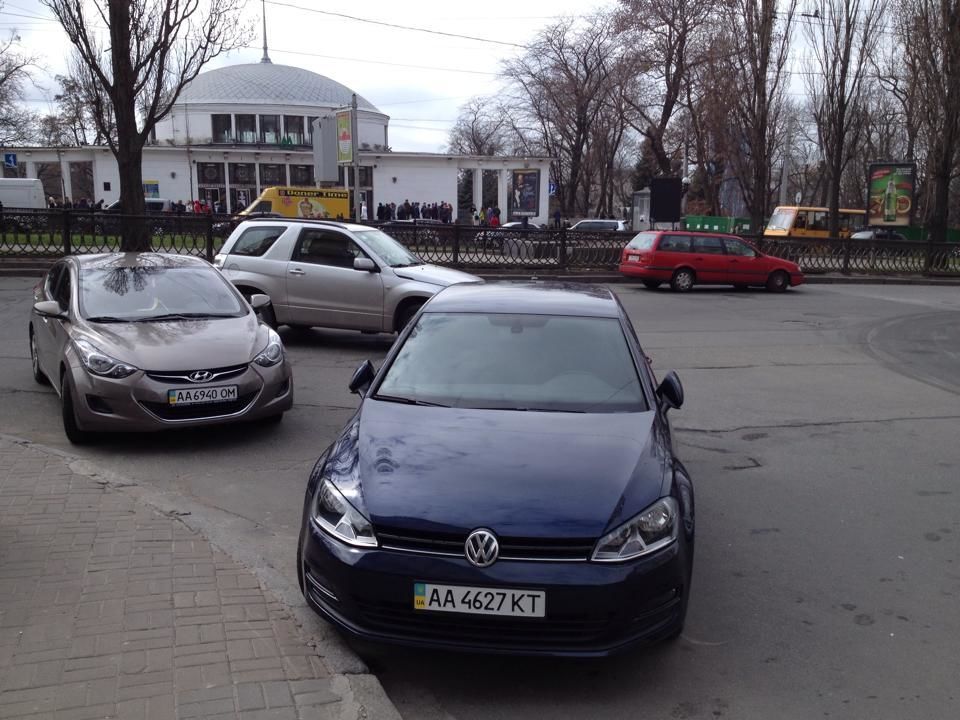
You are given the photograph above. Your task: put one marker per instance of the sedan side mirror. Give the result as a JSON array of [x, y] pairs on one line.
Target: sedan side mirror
[[258, 301], [362, 378], [50, 309], [670, 391], [363, 263]]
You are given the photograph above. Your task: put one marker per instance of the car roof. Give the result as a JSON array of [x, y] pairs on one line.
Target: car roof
[[527, 298], [354, 227], [137, 259]]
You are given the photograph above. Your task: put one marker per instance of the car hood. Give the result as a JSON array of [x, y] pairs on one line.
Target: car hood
[[179, 344], [520, 474], [435, 275]]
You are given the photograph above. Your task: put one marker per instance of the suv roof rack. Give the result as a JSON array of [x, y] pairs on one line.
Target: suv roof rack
[[302, 221]]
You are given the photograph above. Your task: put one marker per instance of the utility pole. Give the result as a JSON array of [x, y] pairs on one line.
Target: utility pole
[[786, 169], [357, 202]]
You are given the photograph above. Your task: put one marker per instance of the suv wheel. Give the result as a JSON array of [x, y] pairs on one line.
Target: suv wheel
[[406, 315]]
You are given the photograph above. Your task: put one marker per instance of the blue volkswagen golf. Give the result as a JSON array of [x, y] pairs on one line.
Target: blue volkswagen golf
[[508, 483]]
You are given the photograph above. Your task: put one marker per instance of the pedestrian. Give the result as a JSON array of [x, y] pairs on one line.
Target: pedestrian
[[556, 218]]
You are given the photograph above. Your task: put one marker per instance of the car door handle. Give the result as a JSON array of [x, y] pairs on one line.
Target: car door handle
[[297, 271]]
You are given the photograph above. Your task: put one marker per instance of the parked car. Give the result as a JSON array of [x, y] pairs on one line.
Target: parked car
[[507, 484], [685, 259], [320, 273], [598, 224], [878, 234], [147, 341]]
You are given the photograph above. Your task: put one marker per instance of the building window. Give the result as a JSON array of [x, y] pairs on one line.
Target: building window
[[270, 129], [293, 130], [243, 174], [301, 175], [222, 128], [210, 173], [247, 128], [272, 175]]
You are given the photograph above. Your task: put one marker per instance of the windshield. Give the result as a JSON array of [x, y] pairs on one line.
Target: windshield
[[128, 294], [387, 249], [516, 362], [643, 241], [782, 219]]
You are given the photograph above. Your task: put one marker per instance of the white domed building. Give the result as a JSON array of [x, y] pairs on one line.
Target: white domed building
[[238, 129]]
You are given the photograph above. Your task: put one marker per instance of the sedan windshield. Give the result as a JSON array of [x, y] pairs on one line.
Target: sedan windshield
[[387, 249], [132, 294], [515, 362]]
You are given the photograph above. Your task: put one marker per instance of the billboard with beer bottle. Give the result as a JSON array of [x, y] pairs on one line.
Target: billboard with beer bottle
[[890, 194]]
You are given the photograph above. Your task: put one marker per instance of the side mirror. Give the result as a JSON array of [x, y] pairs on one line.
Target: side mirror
[[363, 263], [362, 377], [670, 391], [50, 309], [258, 301]]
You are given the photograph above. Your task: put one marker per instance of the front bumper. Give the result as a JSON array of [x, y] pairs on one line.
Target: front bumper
[[139, 403], [592, 609]]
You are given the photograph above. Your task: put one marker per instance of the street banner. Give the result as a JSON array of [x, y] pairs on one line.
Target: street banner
[[890, 194], [525, 200], [344, 137]]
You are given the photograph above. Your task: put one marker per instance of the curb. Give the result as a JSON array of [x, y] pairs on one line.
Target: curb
[[363, 696]]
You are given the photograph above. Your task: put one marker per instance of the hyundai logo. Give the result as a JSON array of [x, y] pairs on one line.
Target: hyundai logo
[[482, 548], [200, 376]]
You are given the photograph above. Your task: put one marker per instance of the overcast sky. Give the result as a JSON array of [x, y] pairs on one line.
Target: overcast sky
[[419, 79]]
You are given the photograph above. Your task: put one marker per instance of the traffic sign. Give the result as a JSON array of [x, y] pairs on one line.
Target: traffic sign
[[552, 187], [9, 160]]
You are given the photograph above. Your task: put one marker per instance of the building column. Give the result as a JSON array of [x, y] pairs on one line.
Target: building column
[[65, 178], [502, 194], [478, 188], [544, 216], [226, 185]]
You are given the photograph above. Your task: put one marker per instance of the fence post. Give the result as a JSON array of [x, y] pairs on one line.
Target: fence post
[[456, 244], [846, 256], [67, 240], [562, 260], [209, 238]]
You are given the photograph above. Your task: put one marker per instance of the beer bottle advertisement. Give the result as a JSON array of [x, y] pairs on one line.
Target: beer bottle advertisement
[[890, 195]]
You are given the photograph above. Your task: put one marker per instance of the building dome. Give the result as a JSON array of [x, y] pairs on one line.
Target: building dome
[[268, 84]]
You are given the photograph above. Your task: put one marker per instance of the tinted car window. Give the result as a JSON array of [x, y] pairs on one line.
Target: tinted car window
[[256, 241], [53, 277], [735, 247], [62, 290], [643, 241], [505, 361], [708, 245], [323, 247], [674, 243], [146, 292]]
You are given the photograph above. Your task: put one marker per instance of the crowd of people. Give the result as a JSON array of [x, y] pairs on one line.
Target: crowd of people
[[441, 211], [68, 204]]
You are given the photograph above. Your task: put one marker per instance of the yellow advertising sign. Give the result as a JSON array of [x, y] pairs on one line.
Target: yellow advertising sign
[[344, 137]]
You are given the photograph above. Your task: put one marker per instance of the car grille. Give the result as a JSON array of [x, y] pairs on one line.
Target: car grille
[[165, 411], [556, 550], [181, 377], [560, 631]]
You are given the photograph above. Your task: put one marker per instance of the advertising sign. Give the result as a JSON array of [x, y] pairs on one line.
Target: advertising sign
[[318, 204], [344, 137], [525, 200], [890, 194], [151, 188], [9, 160]]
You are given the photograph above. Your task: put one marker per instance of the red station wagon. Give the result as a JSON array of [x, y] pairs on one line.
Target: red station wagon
[[685, 259]]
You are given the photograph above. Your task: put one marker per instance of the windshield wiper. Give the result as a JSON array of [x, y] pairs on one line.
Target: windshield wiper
[[527, 409], [408, 401], [108, 319], [182, 316]]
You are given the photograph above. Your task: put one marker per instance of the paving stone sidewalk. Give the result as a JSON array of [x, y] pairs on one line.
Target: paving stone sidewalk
[[110, 609]]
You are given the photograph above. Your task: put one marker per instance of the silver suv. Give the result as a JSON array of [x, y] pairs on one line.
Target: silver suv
[[330, 274]]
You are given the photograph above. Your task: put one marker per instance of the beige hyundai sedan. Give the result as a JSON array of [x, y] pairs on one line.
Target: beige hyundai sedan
[[149, 341]]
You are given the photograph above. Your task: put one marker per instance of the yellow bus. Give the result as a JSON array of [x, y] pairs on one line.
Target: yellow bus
[[302, 202], [803, 222]]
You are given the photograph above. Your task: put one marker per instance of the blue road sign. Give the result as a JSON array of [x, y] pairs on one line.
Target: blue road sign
[[10, 160], [552, 187]]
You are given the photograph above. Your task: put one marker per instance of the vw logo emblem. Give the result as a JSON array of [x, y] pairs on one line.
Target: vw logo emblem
[[200, 376], [482, 548]]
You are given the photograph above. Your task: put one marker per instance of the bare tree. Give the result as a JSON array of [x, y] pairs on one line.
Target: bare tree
[[479, 130], [15, 121], [155, 48], [842, 35]]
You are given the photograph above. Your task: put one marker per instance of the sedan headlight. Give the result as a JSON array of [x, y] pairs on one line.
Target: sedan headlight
[[654, 528], [272, 353], [99, 363], [333, 513]]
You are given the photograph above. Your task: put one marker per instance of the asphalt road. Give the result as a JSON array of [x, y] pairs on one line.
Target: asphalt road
[[821, 427]]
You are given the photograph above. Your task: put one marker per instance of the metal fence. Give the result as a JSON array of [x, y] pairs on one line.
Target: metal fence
[[50, 234]]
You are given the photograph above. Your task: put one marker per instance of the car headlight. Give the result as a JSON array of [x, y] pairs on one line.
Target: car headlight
[[99, 363], [272, 353], [333, 513], [653, 529]]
